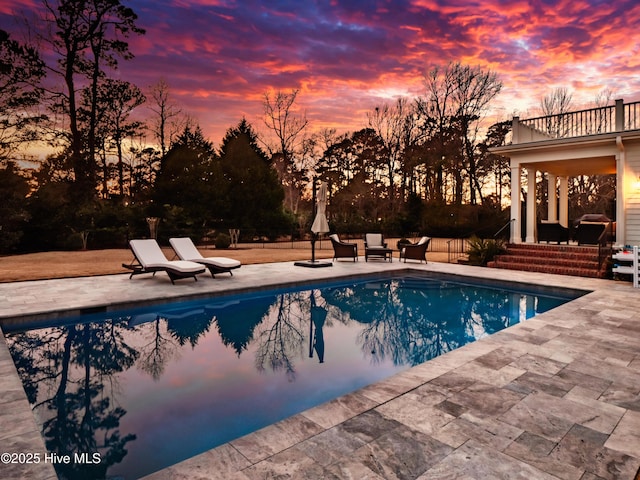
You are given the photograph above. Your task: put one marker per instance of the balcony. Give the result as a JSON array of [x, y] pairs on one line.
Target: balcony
[[621, 117]]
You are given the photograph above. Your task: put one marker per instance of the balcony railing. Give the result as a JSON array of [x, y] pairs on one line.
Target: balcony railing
[[615, 118]]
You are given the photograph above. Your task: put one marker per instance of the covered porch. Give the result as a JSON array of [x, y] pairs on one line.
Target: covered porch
[[556, 148]]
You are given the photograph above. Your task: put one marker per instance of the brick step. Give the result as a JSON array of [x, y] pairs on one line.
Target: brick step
[[566, 249], [581, 261], [572, 261], [576, 272], [552, 256]]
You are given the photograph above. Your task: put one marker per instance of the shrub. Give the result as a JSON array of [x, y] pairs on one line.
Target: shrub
[[222, 240], [482, 251], [402, 242]]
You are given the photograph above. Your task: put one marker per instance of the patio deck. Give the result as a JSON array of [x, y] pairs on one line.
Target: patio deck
[[557, 396]]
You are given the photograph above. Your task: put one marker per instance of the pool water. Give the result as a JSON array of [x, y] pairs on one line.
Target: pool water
[[152, 386]]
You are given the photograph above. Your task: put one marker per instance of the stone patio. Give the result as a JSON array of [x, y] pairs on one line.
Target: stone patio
[[557, 396]]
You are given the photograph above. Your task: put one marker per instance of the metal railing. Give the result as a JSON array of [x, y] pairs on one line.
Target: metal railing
[[455, 248], [495, 235], [614, 118]]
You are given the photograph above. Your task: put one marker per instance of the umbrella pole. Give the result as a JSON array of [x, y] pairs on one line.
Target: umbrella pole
[[315, 212], [313, 304]]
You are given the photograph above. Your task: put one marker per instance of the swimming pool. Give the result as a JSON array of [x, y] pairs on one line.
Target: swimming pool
[[151, 386]]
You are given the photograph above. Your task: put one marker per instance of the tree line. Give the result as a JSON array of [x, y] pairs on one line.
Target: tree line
[[418, 164]]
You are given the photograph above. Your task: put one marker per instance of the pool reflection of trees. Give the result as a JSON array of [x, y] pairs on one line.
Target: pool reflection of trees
[[69, 372], [411, 322], [65, 372]]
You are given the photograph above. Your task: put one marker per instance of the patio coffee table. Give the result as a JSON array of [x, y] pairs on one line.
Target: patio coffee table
[[378, 252]]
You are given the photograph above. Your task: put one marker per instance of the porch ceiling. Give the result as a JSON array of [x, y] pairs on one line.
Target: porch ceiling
[[578, 166]]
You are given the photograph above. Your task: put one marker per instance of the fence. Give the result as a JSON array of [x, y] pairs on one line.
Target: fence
[[455, 248]]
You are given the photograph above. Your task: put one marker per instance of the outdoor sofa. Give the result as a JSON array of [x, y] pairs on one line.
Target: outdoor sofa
[[553, 232]]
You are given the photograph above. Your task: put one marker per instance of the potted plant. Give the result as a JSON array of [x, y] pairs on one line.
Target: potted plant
[[482, 251], [402, 242]]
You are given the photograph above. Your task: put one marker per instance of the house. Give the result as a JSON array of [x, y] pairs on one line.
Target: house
[[602, 140]]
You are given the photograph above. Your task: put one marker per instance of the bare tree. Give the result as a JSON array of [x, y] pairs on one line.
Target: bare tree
[[169, 121], [390, 122], [554, 106], [556, 102], [604, 97], [281, 118], [457, 98], [475, 88]]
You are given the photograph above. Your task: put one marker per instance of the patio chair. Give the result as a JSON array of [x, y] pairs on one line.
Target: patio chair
[[415, 251], [375, 246], [186, 250], [343, 249], [150, 259]]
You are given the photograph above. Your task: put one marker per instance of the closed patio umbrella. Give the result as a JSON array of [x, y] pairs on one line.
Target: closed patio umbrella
[[319, 226]]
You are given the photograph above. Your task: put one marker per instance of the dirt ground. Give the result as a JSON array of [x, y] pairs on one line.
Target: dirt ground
[[46, 265]]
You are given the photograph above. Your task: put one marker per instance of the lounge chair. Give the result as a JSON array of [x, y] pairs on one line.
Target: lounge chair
[[375, 246], [343, 249], [186, 250], [415, 251], [150, 259]]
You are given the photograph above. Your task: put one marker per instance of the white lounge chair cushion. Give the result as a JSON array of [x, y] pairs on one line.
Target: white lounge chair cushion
[[150, 256], [222, 262], [186, 250]]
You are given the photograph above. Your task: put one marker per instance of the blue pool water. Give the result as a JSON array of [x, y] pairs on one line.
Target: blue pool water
[[151, 386]]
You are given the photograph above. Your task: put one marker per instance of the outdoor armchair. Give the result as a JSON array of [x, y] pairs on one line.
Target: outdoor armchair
[[343, 249], [375, 246], [415, 251]]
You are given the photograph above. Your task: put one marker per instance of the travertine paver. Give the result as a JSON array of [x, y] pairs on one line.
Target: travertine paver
[[555, 397]]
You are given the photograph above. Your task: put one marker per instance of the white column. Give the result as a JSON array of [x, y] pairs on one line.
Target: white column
[[552, 207], [564, 201], [516, 235], [531, 205], [621, 194]]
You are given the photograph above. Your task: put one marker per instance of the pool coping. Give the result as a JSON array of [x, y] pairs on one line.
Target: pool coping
[[460, 432]]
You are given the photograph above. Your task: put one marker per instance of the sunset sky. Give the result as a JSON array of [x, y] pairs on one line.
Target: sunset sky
[[219, 57]]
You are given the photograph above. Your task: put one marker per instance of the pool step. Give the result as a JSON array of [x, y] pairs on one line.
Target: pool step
[[579, 261]]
